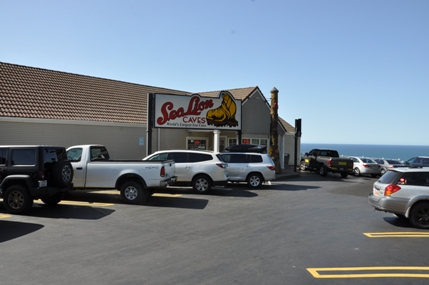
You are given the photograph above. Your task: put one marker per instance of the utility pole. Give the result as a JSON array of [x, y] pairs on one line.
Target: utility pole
[[274, 132]]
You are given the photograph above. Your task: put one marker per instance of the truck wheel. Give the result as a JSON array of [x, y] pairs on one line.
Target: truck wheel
[[62, 173], [323, 171], [302, 166], [344, 174], [134, 193], [201, 184], [356, 171], [53, 200], [17, 200], [419, 215], [254, 180]]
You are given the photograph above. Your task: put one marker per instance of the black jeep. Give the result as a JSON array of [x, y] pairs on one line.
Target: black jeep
[[33, 172]]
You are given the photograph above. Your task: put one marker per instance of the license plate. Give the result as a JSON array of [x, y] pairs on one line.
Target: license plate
[[43, 183], [342, 163]]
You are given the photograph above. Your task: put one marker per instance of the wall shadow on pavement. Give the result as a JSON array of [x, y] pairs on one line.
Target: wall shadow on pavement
[[82, 212], [11, 230], [230, 190], [179, 202]]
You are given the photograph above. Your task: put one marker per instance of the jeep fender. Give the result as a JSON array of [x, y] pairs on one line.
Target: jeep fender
[[24, 180]]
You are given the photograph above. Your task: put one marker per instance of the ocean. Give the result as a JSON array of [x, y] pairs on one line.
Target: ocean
[[402, 152]]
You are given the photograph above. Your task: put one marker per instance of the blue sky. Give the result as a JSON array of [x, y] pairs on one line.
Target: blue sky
[[353, 71]]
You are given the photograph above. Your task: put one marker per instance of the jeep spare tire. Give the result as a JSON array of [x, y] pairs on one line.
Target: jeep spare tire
[[62, 173]]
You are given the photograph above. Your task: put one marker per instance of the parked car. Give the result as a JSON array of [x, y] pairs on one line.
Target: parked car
[[405, 193], [200, 169], [253, 168], [247, 148], [418, 161], [365, 165], [326, 160], [387, 164], [33, 172]]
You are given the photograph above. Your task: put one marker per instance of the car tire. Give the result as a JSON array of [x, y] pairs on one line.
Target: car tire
[[356, 171], [17, 200], [373, 175], [134, 193], [53, 199], [419, 215], [201, 184], [62, 173], [254, 180], [323, 171], [302, 166]]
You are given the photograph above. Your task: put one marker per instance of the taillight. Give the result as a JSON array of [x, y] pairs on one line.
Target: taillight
[[365, 165], [162, 172], [330, 162], [390, 189], [271, 167], [41, 175], [222, 165]]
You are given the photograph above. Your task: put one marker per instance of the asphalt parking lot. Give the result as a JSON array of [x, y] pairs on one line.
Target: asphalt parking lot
[[305, 230]]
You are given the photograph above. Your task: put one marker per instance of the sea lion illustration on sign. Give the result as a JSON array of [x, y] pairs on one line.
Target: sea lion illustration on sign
[[224, 115]]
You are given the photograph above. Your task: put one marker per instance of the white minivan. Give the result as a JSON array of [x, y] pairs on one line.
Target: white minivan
[[253, 168], [200, 169]]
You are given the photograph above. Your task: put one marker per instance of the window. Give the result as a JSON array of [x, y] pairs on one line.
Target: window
[[254, 158], [232, 142], [179, 157], [74, 154], [197, 157], [255, 141], [24, 157], [197, 144], [3, 156]]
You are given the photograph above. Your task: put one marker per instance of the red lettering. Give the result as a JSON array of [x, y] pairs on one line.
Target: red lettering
[[195, 107]]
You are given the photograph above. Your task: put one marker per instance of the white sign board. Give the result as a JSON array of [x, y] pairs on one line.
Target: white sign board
[[196, 112]]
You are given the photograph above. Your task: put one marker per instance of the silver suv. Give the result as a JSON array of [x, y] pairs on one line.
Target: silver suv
[[404, 192], [253, 168], [200, 169]]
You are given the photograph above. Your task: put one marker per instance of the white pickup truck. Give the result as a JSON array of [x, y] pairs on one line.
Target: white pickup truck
[[135, 179]]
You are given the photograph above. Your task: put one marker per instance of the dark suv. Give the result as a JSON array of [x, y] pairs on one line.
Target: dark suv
[[33, 172]]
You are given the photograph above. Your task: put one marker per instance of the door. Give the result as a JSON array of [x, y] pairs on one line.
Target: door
[[237, 166]]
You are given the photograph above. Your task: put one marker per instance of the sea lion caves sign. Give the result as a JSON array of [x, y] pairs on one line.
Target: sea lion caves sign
[[196, 112]]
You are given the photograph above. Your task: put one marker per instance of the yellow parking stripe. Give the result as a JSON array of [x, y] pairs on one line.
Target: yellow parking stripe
[[166, 195], [4, 216], [384, 272], [397, 234], [79, 203]]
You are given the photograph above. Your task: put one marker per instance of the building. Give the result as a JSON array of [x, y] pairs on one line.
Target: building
[[39, 106]]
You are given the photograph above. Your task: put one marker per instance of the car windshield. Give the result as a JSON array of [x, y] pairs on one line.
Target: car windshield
[[391, 161], [367, 160]]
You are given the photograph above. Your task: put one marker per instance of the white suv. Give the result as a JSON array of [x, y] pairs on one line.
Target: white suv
[[200, 169], [404, 192], [253, 168]]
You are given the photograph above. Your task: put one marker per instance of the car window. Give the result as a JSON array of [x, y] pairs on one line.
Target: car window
[[53, 154], [254, 158], [74, 154], [197, 157], [379, 161], [390, 161], [3, 156], [159, 156], [238, 158], [390, 177], [414, 178], [24, 157], [179, 157]]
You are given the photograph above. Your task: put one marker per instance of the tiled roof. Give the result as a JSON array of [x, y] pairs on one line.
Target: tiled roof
[[29, 92], [238, 93], [288, 127]]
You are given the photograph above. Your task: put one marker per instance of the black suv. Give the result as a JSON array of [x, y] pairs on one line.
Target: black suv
[[33, 172]]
